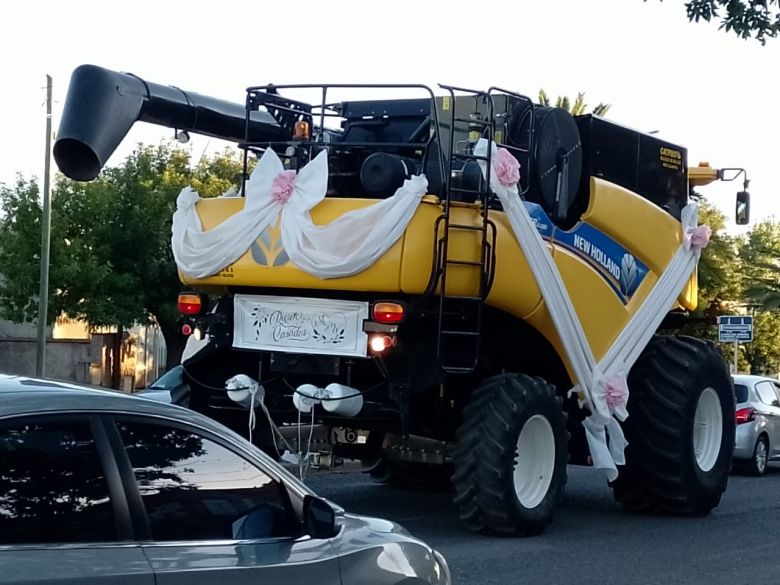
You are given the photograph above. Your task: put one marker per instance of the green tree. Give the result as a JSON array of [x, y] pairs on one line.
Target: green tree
[[763, 353], [577, 108], [719, 266], [746, 18], [111, 260], [760, 255], [719, 277]]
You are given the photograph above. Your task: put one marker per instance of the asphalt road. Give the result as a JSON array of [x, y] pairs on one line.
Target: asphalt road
[[592, 540]]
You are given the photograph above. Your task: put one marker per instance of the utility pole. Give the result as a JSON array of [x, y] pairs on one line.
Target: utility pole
[[43, 295]]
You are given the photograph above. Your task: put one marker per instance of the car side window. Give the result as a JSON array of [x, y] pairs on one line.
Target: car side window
[[52, 487], [766, 393], [196, 489]]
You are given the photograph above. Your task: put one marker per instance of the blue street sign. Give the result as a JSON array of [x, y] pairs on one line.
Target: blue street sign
[[735, 328]]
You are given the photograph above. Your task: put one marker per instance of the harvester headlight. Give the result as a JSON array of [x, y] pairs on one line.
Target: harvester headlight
[[379, 343]]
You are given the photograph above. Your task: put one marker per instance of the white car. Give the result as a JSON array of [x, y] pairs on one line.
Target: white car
[[758, 422]]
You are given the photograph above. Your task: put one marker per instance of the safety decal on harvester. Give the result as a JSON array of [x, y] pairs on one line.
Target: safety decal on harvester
[[622, 271]]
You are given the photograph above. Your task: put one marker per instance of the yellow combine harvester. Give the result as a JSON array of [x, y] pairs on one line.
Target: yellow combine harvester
[[439, 361]]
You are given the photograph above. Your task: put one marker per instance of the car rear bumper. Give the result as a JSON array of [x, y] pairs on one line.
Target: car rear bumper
[[745, 442]]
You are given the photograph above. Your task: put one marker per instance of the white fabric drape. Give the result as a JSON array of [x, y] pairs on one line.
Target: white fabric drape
[[596, 380], [344, 247]]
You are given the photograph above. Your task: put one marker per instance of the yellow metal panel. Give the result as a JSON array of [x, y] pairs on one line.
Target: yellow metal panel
[[646, 231], [256, 268]]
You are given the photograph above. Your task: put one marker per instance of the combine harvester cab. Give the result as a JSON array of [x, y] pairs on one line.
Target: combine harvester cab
[[464, 289]]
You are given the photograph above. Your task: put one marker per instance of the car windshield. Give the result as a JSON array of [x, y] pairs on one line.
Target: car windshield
[[168, 380], [740, 393]]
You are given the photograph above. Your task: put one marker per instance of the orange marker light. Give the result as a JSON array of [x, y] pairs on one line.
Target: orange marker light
[[302, 130], [189, 303], [385, 312]]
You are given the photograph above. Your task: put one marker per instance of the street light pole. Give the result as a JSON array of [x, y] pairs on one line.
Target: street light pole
[[43, 295]]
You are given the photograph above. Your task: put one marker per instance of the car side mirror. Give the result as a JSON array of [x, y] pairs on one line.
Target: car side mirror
[[319, 518], [743, 208]]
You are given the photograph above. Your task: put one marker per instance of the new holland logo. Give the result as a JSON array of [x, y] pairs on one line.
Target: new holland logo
[[628, 274], [267, 249]]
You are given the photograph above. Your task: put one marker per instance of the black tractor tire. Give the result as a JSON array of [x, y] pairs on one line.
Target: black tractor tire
[[486, 455], [662, 472]]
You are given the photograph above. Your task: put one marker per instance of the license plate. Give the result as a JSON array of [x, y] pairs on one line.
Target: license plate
[[300, 325]]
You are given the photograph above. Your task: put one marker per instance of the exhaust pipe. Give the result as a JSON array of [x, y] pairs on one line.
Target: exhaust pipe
[[102, 106]]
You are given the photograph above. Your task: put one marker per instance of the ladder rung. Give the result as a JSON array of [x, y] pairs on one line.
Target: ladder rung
[[463, 226], [462, 298], [461, 333], [476, 122], [468, 191], [475, 157], [465, 262]]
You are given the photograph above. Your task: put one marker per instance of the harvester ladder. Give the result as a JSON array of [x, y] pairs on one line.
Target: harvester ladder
[[460, 317]]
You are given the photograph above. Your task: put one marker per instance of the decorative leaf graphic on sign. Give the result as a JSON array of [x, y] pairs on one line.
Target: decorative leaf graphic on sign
[[259, 318], [329, 328], [628, 273]]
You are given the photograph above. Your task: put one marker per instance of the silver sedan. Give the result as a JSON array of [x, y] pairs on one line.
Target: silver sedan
[[758, 422], [101, 487]]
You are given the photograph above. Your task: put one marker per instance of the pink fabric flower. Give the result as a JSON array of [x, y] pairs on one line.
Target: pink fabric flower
[[700, 236], [617, 393], [506, 167], [282, 186]]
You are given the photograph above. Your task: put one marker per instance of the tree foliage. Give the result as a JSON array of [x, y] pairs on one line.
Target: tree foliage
[[575, 108], [760, 255], [745, 18], [111, 260]]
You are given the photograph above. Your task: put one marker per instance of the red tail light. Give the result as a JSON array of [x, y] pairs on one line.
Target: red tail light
[[189, 303], [389, 313], [745, 415]]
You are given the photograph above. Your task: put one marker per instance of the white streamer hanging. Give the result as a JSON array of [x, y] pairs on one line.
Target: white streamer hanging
[[594, 380], [344, 247]]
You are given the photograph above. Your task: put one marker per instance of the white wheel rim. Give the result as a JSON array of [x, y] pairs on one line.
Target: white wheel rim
[[535, 461], [707, 429], [761, 455]]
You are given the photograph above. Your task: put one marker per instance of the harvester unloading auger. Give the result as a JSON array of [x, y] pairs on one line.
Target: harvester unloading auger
[[466, 286]]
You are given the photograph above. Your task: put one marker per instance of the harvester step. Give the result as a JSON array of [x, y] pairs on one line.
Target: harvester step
[[458, 369], [466, 262], [461, 333], [462, 298]]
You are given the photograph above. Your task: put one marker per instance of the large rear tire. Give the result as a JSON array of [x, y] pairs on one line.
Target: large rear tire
[[510, 456], [680, 429]]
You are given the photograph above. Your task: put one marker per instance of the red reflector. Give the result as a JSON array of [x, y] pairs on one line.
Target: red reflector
[[745, 415], [388, 312], [189, 304], [186, 329]]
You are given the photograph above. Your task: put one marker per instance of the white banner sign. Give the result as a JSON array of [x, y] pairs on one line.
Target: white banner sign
[[300, 325]]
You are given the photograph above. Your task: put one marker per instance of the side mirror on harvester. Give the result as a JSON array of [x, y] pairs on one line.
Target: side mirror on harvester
[[743, 208]]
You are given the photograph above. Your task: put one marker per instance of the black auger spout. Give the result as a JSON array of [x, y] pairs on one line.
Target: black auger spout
[[102, 105]]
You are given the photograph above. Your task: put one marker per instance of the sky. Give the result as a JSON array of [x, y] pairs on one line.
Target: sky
[[698, 87]]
